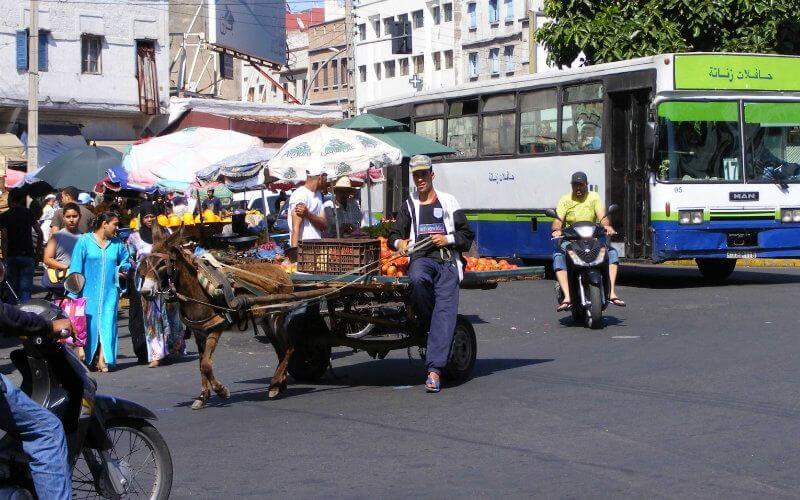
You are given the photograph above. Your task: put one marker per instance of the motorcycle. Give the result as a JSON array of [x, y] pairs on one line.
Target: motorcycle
[[113, 449], [587, 270]]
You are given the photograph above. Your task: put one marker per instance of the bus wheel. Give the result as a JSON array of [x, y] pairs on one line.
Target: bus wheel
[[716, 270]]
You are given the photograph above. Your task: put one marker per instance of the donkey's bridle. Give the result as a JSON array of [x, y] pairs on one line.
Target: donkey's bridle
[[158, 263]]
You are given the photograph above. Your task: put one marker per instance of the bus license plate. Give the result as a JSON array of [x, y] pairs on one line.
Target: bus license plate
[[741, 254]]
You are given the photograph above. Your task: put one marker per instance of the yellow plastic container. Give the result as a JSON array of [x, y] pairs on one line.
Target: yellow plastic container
[[162, 220], [134, 223], [188, 219], [174, 220]]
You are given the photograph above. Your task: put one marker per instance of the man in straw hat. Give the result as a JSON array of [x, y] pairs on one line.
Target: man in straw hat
[[433, 218], [342, 211]]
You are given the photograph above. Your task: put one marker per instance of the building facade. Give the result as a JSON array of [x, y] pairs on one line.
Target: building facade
[[104, 70], [405, 47], [328, 75], [495, 38]]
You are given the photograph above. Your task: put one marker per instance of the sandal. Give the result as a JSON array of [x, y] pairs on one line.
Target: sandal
[[564, 306], [617, 302], [433, 385]]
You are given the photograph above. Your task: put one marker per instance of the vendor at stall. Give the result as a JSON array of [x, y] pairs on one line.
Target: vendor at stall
[[342, 209], [435, 270], [306, 218], [212, 203]]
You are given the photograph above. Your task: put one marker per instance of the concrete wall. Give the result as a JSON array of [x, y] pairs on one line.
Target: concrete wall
[[427, 40]]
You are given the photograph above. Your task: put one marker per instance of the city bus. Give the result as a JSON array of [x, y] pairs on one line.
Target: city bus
[[700, 151]]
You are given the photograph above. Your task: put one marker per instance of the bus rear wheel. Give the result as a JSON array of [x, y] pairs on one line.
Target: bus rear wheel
[[716, 270]]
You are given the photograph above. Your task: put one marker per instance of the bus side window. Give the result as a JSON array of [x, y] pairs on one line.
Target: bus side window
[[537, 124], [582, 118]]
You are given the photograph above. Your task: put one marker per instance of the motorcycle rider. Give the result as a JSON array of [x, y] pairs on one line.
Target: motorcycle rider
[[40, 431], [582, 205]]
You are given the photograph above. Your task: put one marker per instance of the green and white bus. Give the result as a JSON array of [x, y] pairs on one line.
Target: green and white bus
[[701, 152]]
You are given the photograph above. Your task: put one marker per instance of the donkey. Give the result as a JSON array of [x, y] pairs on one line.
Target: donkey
[[170, 271]]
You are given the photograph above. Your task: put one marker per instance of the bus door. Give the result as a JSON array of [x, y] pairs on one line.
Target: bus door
[[626, 172]]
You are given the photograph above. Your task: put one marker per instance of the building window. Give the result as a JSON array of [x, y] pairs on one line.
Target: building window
[[508, 52], [509, 10], [376, 25], [345, 80], [494, 12], [472, 12], [335, 70], [226, 66], [362, 74], [378, 71], [388, 69], [494, 60], [404, 66], [437, 15], [448, 59], [419, 19], [362, 32], [419, 64], [473, 65], [437, 61], [251, 94], [91, 54], [324, 72], [537, 122], [448, 12], [315, 83], [388, 25], [273, 88]]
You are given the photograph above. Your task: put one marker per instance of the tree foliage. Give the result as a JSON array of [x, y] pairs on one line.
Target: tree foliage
[[611, 30]]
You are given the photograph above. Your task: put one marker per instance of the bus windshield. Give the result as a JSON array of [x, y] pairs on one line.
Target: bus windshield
[[699, 141], [772, 141]]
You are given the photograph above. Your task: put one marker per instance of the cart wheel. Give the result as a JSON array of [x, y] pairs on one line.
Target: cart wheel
[[463, 352]]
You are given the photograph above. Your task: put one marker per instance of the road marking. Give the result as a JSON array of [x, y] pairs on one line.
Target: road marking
[[625, 337]]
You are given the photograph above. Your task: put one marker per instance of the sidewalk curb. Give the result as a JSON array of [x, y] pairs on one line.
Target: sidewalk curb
[[746, 262]]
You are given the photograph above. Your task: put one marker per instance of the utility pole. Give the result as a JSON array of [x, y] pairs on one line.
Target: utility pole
[[33, 88], [349, 15]]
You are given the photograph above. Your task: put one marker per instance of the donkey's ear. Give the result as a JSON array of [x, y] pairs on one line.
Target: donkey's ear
[[159, 235], [176, 237]]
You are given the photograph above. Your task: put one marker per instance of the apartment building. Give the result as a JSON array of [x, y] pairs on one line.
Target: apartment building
[[328, 74], [104, 71], [406, 47]]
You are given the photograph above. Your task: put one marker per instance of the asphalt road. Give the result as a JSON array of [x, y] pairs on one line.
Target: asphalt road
[[691, 391]]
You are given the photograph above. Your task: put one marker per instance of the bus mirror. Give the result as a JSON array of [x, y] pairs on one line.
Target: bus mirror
[[551, 213], [651, 140], [612, 208]]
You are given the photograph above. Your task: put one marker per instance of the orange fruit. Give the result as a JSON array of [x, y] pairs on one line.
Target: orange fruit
[[391, 271]]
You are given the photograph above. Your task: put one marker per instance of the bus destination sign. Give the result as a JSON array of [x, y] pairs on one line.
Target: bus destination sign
[[736, 72]]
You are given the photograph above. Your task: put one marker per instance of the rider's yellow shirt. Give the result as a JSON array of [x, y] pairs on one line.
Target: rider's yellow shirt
[[570, 209]]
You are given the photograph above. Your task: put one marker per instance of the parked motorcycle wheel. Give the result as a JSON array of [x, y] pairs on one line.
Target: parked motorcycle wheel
[[594, 316], [136, 444]]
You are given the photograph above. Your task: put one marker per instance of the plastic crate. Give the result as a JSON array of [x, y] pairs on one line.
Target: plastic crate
[[338, 256]]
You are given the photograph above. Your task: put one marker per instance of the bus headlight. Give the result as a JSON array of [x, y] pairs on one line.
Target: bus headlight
[[690, 216], [790, 215]]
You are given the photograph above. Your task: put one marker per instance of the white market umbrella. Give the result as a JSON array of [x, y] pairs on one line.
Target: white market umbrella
[[173, 160], [331, 151]]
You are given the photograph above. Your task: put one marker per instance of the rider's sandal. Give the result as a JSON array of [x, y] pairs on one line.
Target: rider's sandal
[[564, 306], [617, 302], [433, 385]]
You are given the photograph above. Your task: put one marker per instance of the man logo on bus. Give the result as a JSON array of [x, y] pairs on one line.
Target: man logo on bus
[[744, 196]]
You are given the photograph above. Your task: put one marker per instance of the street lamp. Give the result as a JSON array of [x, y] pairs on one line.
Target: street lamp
[[336, 52]]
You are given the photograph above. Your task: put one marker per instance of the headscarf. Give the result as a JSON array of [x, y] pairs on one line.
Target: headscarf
[[146, 233]]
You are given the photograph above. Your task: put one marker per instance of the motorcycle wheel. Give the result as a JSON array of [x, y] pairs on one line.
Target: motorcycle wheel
[[137, 444], [594, 316]]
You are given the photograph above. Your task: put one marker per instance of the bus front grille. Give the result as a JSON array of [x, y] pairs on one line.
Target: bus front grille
[[748, 215]]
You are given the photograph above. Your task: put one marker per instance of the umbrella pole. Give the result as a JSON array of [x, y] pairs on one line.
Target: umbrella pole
[[369, 200], [336, 217], [266, 211]]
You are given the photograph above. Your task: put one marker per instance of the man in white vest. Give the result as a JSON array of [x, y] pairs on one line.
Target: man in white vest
[[436, 269]]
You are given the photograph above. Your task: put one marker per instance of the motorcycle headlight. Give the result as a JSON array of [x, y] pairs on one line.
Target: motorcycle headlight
[[578, 261], [690, 216], [790, 215]]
